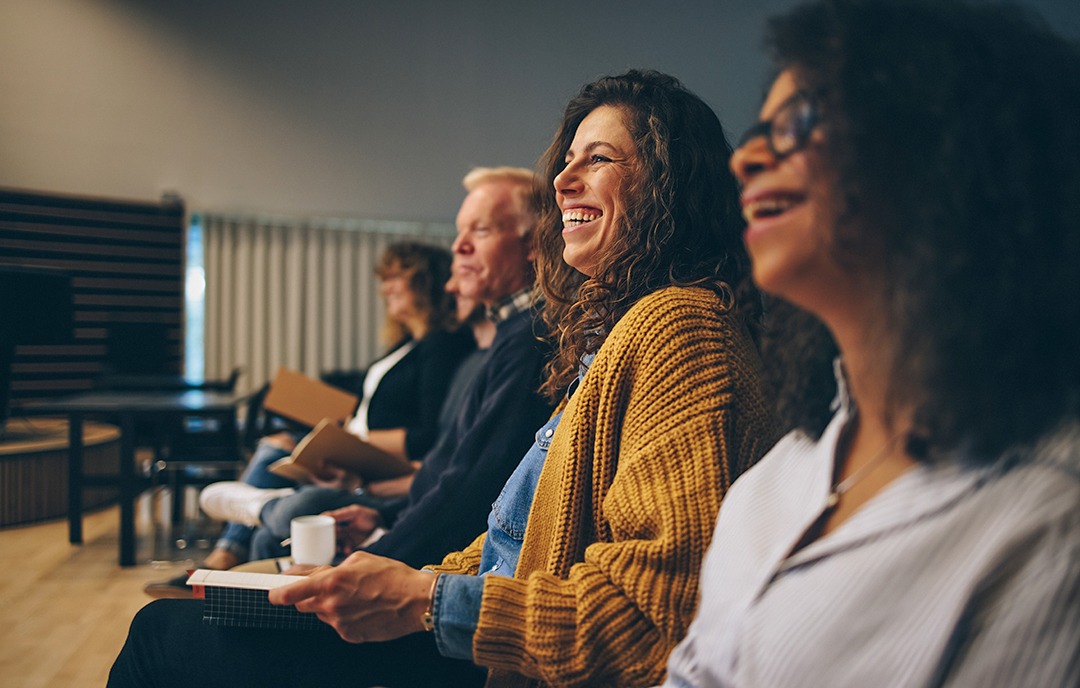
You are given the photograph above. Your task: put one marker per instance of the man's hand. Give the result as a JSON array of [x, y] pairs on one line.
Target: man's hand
[[354, 524], [367, 598]]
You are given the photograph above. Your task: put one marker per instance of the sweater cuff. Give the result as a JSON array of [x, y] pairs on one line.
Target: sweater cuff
[[466, 562], [500, 633]]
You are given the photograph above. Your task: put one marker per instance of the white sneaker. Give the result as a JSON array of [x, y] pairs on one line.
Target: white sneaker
[[238, 502]]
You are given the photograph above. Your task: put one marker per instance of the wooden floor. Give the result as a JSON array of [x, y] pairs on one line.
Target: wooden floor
[[65, 609]]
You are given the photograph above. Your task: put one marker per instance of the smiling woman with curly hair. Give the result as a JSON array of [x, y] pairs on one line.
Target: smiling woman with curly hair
[[660, 239]]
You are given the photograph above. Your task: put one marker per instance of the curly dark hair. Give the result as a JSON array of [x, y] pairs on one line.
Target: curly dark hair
[[428, 270], [954, 128], [682, 225], [798, 352]]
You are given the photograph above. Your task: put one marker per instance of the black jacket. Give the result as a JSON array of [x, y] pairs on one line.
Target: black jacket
[[411, 393]]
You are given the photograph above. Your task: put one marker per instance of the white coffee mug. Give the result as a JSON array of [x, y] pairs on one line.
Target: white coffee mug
[[313, 539]]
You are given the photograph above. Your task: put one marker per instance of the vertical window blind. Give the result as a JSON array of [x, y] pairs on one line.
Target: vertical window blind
[[296, 292]]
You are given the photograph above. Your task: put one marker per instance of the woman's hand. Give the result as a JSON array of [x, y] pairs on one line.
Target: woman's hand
[[336, 478], [355, 523], [367, 598]]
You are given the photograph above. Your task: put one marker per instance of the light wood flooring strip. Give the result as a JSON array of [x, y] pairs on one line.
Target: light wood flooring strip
[[65, 609]]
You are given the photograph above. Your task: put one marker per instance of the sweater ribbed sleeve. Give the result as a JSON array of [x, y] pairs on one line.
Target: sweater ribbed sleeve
[[466, 562], [607, 583]]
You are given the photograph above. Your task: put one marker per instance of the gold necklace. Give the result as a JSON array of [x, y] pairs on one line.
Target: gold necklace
[[849, 482]]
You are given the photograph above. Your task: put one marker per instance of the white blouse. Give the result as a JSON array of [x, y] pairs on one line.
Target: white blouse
[[358, 424], [955, 574]]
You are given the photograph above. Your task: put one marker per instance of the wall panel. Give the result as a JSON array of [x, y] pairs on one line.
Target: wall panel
[[127, 268]]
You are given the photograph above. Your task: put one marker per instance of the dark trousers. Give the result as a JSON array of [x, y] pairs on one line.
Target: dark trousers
[[168, 645]]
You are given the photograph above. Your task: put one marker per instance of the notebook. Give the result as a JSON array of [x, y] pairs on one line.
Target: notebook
[[331, 443], [306, 400], [237, 599]]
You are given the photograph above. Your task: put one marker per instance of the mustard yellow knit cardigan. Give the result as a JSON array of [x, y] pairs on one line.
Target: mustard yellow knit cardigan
[[670, 412]]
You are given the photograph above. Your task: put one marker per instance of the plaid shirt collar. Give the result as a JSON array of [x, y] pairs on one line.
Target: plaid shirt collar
[[515, 303]]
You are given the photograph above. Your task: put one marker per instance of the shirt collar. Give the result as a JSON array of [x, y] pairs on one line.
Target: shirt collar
[[506, 308]]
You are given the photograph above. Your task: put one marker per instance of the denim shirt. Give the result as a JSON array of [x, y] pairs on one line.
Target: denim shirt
[[456, 605]]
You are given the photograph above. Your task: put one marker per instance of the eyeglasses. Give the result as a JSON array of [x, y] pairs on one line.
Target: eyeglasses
[[790, 126]]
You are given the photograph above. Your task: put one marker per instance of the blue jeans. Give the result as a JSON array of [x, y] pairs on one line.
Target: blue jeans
[[236, 537]]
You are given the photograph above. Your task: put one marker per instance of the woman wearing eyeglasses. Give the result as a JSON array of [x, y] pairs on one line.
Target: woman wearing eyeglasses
[[914, 183]]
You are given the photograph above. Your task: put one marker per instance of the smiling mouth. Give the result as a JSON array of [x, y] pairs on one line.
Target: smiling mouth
[[764, 208], [578, 216]]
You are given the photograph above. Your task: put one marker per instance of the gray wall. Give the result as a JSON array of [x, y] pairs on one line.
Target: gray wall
[[338, 107]]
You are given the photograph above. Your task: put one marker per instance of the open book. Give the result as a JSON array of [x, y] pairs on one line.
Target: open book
[[240, 599], [331, 443], [305, 400]]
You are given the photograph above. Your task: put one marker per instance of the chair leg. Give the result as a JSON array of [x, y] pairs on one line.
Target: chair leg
[[178, 489]]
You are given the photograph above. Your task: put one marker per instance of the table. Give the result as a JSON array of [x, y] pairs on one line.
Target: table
[[33, 467], [125, 407]]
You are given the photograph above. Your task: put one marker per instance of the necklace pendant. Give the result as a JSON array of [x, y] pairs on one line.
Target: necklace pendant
[[832, 500]]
